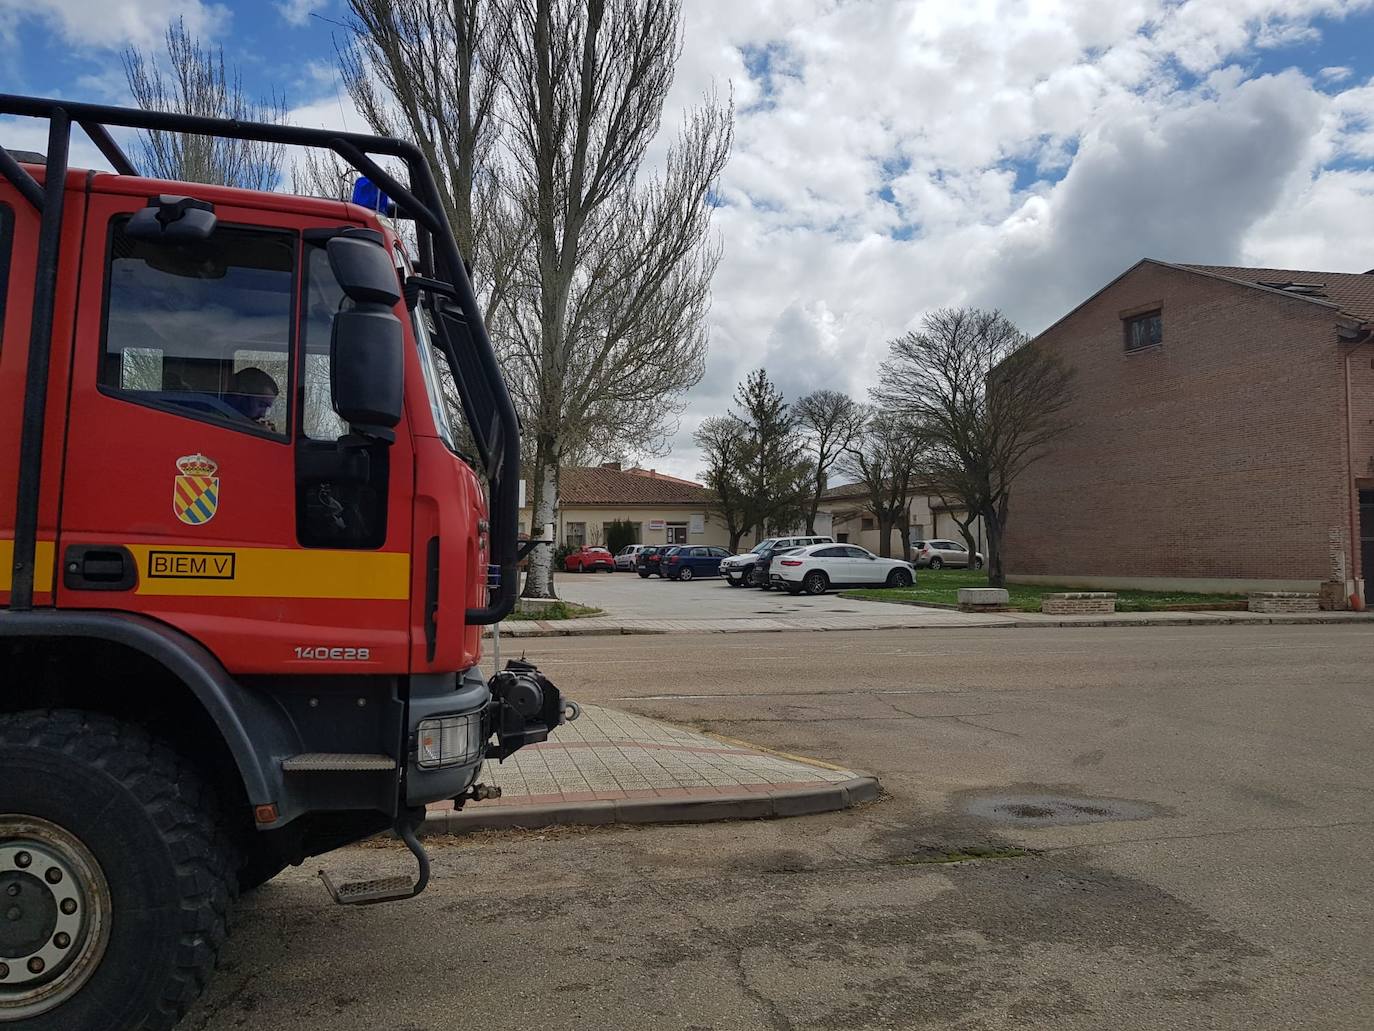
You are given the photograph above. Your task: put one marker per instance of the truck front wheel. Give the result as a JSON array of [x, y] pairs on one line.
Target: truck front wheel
[[115, 884]]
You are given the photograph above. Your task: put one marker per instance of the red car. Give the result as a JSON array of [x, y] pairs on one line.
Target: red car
[[589, 560]]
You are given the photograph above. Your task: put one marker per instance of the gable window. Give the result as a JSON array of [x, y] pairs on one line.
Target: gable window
[[1144, 330]]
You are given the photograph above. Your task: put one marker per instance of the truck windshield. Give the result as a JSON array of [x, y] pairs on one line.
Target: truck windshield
[[439, 383]]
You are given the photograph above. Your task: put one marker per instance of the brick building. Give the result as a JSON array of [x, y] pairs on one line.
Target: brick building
[[1224, 438]]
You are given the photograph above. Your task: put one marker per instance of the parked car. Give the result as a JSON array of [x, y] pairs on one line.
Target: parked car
[[739, 570], [589, 560], [935, 554], [763, 565], [625, 557], [822, 566], [690, 563], [647, 562]]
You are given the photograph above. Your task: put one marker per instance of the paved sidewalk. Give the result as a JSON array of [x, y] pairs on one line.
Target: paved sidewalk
[[614, 767], [920, 619]]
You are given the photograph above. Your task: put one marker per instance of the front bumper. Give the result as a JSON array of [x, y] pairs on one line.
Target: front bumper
[[517, 707]]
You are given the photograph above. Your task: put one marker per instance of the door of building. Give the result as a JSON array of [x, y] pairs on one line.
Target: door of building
[[1367, 543]]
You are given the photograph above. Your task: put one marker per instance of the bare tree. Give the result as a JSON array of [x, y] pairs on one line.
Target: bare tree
[[830, 420], [988, 403], [602, 328], [725, 447], [885, 456], [197, 82], [431, 71]]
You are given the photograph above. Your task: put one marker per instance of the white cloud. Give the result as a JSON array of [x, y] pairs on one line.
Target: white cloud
[[298, 12], [111, 24], [902, 156]]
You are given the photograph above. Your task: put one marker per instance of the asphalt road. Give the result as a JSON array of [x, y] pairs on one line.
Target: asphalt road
[[1218, 875]]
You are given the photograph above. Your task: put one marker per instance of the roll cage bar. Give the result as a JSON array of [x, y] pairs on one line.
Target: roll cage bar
[[439, 258]]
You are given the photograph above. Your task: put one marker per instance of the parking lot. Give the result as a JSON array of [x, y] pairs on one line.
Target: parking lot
[[626, 594], [1213, 879]]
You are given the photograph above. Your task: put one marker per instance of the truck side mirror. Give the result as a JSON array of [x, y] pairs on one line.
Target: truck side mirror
[[366, 370], [366, 348], [364, 270], [173, 219]]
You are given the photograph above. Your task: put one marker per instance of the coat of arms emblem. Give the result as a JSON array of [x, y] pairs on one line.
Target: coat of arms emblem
[[195, 493]]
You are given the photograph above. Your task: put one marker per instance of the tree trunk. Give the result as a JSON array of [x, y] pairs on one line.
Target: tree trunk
[[966, 532], [997, 576], [735, 535], [885, 537], [905, 531], [539, 579]]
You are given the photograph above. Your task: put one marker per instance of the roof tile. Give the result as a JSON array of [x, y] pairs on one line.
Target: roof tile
[[598, 485]]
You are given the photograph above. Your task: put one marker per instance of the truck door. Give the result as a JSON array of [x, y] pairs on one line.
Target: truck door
[[202, 463]]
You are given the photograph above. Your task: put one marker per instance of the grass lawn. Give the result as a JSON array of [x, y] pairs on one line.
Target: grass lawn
[[558, 610], [941, 586]]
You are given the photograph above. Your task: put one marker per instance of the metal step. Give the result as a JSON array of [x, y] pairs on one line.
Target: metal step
[[386, 889], [365, 893], [337, 762]]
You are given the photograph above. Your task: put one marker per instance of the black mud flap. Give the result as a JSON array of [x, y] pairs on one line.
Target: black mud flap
[[526, 707]]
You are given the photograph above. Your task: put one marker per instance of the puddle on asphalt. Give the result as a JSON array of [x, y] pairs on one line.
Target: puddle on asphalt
[[1042, 810]]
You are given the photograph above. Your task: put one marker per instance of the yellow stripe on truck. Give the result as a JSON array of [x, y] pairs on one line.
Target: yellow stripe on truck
[[42, 560], [176, 570]]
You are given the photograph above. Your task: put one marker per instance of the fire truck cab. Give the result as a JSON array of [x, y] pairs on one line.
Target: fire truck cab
[[258, 481]]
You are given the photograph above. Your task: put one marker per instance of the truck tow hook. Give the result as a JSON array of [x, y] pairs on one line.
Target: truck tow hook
[[385, 889], [571, 710]]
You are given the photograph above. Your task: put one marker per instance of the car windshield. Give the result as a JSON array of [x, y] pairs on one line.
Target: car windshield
[[761, 547]]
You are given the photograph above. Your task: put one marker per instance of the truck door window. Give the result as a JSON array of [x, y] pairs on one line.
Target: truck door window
[[203, 330], [341, 481], [322, 298]]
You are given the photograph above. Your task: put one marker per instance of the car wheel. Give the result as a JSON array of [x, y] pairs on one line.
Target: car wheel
[[753, 578], [816, 582], [644, 574], [899, 578], [732, 581], [937, 563], [978, 563], [685, 573]]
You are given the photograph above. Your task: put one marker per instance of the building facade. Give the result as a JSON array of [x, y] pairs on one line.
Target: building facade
[[662, 508], [844, 516], [1223, 437]]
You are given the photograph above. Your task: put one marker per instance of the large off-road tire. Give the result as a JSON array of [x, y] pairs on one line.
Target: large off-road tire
[[115, 877]]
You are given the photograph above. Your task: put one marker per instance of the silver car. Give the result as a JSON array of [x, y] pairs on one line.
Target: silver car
[[936, 554], [625, 557]]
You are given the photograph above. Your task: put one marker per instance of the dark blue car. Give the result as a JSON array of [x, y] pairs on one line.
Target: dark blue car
[[691, 561]]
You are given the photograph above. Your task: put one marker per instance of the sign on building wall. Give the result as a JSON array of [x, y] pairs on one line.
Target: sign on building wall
[[657, 524], [698, 523]]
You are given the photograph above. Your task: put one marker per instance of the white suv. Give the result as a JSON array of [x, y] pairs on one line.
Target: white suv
[[744, 570]]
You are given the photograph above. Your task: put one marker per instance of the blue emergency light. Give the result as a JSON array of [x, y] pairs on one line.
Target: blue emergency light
[[366, 194]]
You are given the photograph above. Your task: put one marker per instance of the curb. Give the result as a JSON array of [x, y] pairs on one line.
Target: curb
[[1004, 621], [823, 798]]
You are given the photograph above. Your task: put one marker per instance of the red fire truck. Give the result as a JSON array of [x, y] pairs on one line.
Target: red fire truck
[[247, 548]]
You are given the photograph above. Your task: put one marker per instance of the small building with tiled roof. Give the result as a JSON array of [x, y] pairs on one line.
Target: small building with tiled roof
[[664, 509], [1223, 435], [844, 513]]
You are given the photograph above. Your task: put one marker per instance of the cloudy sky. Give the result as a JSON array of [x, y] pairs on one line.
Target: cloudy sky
[[898, 155]]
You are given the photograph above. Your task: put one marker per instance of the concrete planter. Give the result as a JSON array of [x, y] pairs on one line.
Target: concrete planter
[[534, 606], [983, 599], [1077, 603]]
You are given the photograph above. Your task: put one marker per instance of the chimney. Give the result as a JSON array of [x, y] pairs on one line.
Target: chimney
[[613, 466]]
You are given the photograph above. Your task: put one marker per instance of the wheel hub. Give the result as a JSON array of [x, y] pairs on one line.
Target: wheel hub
[[54, 916]]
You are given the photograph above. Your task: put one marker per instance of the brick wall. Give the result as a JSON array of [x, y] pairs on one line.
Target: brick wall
[[1218, 454], [1077, 604], [1283, 603]]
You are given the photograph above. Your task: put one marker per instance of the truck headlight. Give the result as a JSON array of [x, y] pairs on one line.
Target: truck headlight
[[449, 741]]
